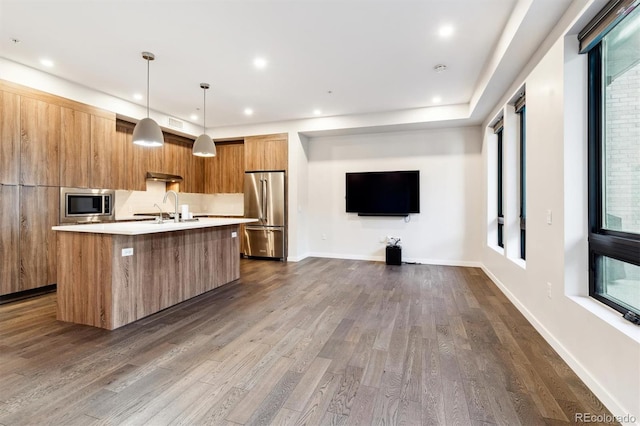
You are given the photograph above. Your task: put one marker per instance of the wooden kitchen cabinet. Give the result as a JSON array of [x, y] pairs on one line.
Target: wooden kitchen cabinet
[[75, 148], [39, 211], [9, 239], [40, 124], [9, 138], [179, 160], [173, 156], [224, 173], [269, 152], [194, 176], [108, 155], [140, 159]]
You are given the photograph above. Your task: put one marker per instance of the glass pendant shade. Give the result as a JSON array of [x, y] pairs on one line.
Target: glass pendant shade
[[147, 133], [204, 146]]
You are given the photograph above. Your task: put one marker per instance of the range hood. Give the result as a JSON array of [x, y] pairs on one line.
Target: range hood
[[164, 177]]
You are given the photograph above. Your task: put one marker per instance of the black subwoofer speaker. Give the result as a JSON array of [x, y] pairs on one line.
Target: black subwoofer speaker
[[394, 255]]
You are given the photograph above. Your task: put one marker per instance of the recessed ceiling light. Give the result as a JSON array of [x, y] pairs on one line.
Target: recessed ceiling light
[[248, 111], [440, 68], [445, 31], [193, 117], [46, 62], [137, 96], [260, 63], [436, 99], [317, 111]]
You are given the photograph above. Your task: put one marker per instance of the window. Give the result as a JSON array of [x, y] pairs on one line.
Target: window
[[521, 111], [614, 157], [498, 129]]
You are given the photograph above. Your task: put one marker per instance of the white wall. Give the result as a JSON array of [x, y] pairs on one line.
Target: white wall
[[447, 229], [36, 79], [551, 288]]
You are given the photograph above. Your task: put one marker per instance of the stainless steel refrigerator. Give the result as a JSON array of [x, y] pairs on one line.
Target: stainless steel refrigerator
[[265, 200]]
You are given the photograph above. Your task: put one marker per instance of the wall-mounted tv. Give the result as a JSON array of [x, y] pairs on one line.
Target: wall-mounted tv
[[383, 193]]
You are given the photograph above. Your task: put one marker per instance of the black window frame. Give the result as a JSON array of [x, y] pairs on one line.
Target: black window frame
[[500, 187], [622, 246], [522, 113]]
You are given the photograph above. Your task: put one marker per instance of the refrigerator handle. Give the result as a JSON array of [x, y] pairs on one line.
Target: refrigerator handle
[[264, 200]]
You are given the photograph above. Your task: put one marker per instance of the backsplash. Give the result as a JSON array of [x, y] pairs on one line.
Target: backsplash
[[128, 203]]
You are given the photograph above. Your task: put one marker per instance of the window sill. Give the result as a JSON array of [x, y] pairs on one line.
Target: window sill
[[519, 262], [497, 248], [608, 315]]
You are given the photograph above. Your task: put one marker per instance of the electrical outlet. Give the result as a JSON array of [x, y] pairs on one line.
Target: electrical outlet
[[234, 234], [127, 251], [549, 290], [549, 217], [324, 236]]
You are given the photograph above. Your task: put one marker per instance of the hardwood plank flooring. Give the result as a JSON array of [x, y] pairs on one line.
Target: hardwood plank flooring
[[322, 341]]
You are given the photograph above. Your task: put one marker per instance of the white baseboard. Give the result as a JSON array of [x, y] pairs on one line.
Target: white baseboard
[[442, 262], [607, 399]]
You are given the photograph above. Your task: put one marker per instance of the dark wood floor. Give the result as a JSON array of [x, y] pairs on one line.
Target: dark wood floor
[[316, 342]]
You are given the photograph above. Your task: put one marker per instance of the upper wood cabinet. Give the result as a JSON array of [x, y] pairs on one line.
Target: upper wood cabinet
[[40, 124], [139, 159], [224, 173], [179, 160], [9, 138], [108, 154], [75, 148], [9, 239], [194, 177], [269, 152]]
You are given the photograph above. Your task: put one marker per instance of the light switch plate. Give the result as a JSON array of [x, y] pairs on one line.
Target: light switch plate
[[127, 251], [234, 234]]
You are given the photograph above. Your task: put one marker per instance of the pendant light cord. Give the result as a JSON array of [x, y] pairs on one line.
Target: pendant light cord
[[147, 87], [204, 117]]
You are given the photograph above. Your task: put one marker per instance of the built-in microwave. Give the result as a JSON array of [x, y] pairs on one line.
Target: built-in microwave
[[82, 205]]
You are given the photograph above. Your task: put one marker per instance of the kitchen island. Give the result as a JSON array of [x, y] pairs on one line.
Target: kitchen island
[[112, 274]]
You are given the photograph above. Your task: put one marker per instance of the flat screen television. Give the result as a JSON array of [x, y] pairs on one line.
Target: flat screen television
[[383, 193]]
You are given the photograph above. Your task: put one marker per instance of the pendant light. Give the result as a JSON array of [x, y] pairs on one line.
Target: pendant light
[[147, 132], [204, 146]]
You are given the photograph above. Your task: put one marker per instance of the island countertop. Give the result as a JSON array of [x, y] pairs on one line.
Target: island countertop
[[149, 227]]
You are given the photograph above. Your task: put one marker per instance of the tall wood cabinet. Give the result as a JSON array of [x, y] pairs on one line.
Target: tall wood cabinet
[[45, 143]]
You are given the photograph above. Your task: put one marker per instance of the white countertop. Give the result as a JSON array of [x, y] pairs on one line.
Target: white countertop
[[149, 227]]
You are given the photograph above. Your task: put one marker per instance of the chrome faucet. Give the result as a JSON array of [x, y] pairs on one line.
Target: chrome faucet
[[176, 218], [159, 218]]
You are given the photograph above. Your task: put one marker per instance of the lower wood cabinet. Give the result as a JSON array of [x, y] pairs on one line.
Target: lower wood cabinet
[[9, 239], [28, 248], [39, 206]]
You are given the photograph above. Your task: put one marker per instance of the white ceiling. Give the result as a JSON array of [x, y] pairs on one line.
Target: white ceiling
[[374, 56]]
